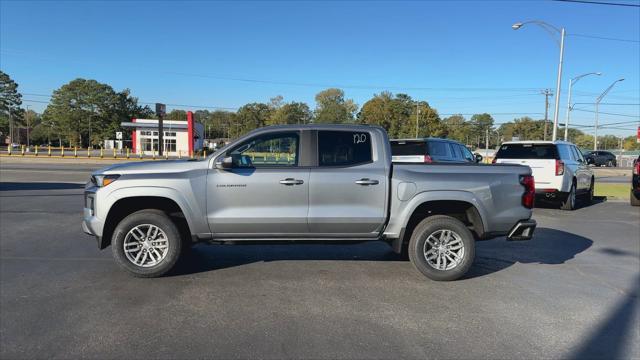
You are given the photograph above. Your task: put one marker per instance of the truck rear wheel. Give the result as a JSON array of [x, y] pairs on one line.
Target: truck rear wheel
[[441, 248], [146, 243]]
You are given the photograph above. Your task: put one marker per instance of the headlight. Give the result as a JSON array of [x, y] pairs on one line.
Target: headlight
[[103, 180]]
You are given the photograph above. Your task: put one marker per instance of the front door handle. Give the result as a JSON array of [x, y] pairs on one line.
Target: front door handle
[[367, 182], [291, 181]]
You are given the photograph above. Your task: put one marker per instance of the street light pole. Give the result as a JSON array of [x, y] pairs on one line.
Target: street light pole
[[595, 136], [571, 83], [548, 27], [27, 116], [559, 81], [417, 117]]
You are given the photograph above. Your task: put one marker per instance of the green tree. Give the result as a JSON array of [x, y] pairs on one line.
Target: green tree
[[480, 124], [458, 128], [176, 114], [251, 116], [584, 141], [291, 113], [631, 143], [10, 100], [333, 108], [86, 112]]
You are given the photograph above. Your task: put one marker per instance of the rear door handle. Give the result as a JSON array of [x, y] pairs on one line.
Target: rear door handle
[[291, 181], [367, 182]]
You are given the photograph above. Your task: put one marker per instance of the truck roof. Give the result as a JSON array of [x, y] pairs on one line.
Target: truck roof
[[318, 127]]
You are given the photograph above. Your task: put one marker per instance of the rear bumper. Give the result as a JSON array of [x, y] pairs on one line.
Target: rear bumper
[[550, 194], [523, 230]]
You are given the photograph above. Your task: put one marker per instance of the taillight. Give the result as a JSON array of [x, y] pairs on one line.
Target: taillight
[[427, 159], [559, 167], [636, 168], [529, 196], [494, 160]]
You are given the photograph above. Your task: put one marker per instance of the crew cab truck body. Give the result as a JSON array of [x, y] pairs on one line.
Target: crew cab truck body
[[307, 183]]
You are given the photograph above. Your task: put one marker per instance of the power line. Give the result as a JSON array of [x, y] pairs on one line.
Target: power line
[[598, 3], [608, 113], [616, 104], [604, 38], [346, 86]]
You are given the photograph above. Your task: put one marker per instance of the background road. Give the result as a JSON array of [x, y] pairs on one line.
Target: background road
[[571, 292]]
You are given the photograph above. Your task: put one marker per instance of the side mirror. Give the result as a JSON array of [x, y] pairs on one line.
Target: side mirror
[[478, 158], [225, 163]]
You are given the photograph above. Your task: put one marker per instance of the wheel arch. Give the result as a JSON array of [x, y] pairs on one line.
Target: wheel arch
[[462, 209], [125, 206]]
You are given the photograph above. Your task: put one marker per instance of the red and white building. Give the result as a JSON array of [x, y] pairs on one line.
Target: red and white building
[[180, 137]]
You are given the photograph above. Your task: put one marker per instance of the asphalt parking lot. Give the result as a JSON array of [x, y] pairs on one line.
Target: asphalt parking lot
[[571, 292]]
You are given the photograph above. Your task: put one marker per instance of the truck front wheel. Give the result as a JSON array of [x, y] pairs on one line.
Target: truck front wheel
[[146, 243], [441, 248]]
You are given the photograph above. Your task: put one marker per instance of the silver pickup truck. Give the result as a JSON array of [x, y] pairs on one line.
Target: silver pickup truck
[[332, 183]]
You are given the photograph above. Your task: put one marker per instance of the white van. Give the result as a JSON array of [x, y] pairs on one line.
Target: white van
[[560, 171]]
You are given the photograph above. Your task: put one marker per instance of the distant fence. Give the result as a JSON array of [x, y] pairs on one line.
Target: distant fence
[[88, 153]]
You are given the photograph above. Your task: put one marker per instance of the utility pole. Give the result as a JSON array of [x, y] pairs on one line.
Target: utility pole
[[27, 116], [546, 94], [486, 144], [10, 129], [417, 117], [161, 110]]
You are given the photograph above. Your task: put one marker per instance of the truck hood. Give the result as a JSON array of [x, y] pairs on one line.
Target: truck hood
[[151, 167]]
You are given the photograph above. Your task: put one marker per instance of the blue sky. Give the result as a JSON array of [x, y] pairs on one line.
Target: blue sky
[[461, 56]]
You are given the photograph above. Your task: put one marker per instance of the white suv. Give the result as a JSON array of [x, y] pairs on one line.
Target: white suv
[[560, 171]]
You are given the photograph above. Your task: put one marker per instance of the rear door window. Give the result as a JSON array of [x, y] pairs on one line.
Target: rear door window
[[456, 151], [439, 150], [408, 148], [344, 148], [527, 151], [566, 152]]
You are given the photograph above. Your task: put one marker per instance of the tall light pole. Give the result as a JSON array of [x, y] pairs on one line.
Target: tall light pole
[[27, 116], [572, 82], [417, 117], [595, 136], [550, 28]]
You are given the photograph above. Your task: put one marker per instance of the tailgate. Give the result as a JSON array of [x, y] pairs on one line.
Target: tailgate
[[543, 170]]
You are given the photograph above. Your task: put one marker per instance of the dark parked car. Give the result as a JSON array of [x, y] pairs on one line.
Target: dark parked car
[[601, 158], [635, 183], [431, 150]]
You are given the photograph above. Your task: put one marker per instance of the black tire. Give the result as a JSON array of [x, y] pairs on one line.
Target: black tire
[[163, 222], [428, 227], [633, 200], [570, 202], [588, 197]]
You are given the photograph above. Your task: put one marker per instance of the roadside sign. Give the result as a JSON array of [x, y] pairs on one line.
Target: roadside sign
[[118, 135], [161, 109]]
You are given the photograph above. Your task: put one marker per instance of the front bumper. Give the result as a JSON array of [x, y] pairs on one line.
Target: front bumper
[[523, 230]]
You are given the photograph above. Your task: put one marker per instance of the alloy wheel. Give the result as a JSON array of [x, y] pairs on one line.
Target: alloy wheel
[[444, 249], [146, 245]]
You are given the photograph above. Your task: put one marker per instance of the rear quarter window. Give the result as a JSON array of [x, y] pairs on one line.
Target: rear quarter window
[[344, 148], [527, 151]]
